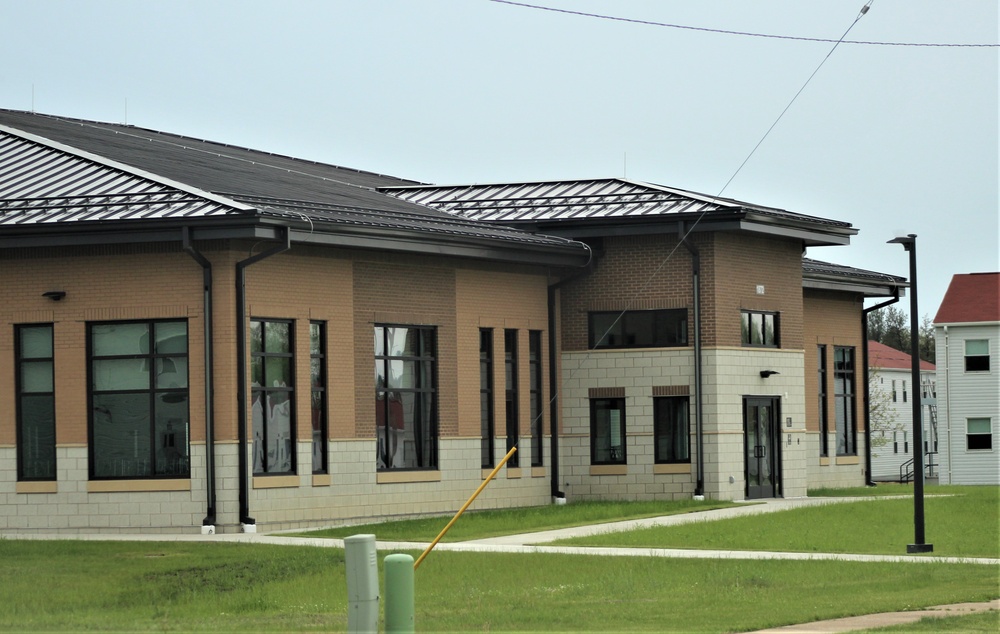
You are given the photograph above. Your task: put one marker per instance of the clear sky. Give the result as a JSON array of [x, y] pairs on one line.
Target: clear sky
[[893, 139]]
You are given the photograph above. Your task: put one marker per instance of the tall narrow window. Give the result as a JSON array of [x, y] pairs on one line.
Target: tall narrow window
[[535, 371], [759, 329], [671, 430], [510, 373], [271, 387], [824, 421], [36, 403], [894, 390], [317, 386], [486, 421], [904, 391], [844, 400], [139, 399], [979, 434], [607, 431], [406, 408], [977, 355]]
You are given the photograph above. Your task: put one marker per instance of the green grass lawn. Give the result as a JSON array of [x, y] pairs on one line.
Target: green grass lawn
[[483, 524], [979, 622], [959, 522], [196, 586]]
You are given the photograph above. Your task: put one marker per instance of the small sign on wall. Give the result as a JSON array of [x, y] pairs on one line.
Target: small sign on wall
[[760, 289]]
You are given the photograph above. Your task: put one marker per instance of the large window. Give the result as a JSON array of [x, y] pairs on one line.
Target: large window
[[979, 433], [671, 428], [512, 395], [844, 400], [406, 397], [486, 420], [271, 388], [607, 431], [535, 372], [638, 329], [977, 355], [759, 329], [36, 406], [317, 383], [824, 421], [138, 399]]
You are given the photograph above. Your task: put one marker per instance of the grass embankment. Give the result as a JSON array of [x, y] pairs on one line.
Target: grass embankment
[[959, 522], [177, 586], [493, 523]]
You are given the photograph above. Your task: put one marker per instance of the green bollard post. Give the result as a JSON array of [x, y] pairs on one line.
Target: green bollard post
[[399, 605]]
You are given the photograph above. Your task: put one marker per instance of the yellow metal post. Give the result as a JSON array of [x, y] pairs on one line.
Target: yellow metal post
[[482, 486]]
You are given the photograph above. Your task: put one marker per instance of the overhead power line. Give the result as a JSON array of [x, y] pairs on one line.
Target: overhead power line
[[743, 33]]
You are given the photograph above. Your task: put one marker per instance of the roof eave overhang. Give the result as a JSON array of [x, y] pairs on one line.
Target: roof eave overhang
[[843, 285]]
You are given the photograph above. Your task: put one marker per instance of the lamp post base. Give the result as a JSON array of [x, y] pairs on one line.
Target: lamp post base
[[920, 548]]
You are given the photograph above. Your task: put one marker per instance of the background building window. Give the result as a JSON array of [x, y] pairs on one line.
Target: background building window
[[486, 420], [139, 421], [271, 386], [824, 422], [511, 393], [535, 382], [36, 403], [607, 431], [406, 397], [759, 329], [844, 400], [671, 429], [977, 355], [979, 434], [638, 329], [317, 386]]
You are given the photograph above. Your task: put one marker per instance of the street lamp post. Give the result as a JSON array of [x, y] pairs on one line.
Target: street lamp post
[[909, 243]]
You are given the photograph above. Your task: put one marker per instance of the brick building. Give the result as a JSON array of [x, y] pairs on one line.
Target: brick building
[[190, 332]]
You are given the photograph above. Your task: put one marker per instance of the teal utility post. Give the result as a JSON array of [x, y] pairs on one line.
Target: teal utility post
[[399, 605], [362, 583]]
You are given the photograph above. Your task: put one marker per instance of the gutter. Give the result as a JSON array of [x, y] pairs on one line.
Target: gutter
[[248, 523], [867, 394], [206, 268], [558, 494], [699, 490]]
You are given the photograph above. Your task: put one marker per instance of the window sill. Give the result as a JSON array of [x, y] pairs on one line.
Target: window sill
[[539, 472], [399, 477], [38, 486], [608, 469], [276, 482], [684, 467], [137, 486], [824, 461], [514, 473], [848, 460], [322, 479]]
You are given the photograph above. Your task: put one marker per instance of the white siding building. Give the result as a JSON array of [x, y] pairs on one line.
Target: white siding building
[[967, 334]]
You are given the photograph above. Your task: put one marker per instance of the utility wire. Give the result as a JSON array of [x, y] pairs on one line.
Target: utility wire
[[743, 33]]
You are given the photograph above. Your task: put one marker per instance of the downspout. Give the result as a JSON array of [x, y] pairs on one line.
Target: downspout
[[249, 524], [699, 489], [867, 393], [206, 268], [557, 493]]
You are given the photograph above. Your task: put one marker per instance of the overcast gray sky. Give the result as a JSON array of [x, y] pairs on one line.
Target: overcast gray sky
[[893, 139]]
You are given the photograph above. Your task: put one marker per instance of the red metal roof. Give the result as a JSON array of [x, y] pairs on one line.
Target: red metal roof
[[971, 297], [882, 356]]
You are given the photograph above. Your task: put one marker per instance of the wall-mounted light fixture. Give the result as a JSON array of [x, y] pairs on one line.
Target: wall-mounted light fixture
[[766, 373], [54, 295]]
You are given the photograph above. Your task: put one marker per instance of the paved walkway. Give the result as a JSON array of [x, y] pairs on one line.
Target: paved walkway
[[535, 543]]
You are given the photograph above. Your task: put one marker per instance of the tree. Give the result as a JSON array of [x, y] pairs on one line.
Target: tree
[[928, 346], [890, 325]]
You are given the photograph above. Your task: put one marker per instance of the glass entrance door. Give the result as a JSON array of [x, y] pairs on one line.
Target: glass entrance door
[[761, 442]]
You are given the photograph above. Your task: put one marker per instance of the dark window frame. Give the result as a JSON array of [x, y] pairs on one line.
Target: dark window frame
[[659, 424], [535, 393], [512, 395], [845, 396], [43, 467], [665, 320], [318, 392], [150, 361], [424, 394], [824, 410], [619, 457], [268, 392], [487, 409], [747, 331]]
